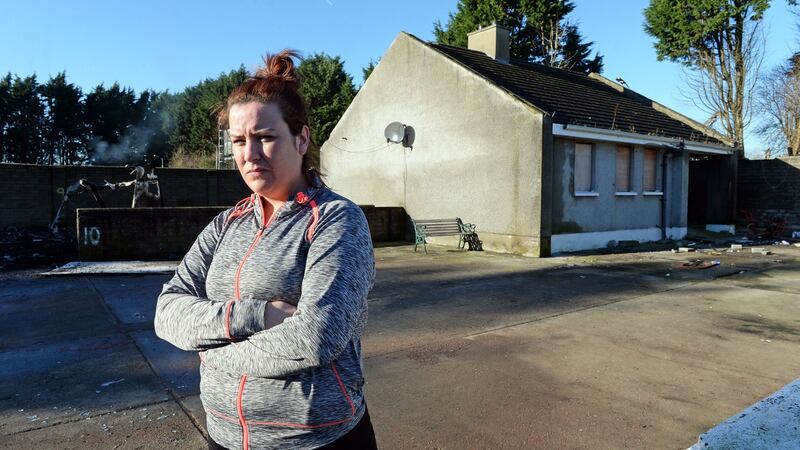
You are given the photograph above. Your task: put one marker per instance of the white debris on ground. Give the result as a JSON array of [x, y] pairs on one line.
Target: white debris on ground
[[114, 267], [772, 423]]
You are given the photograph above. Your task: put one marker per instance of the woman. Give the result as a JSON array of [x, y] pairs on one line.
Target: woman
[[273, 294]]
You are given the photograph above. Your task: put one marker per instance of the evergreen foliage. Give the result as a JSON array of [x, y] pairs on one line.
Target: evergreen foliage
[[540, 31]]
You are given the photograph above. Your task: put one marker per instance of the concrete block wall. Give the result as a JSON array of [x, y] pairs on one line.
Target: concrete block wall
[[387, 224], [30, 193], [115, 234], [769, 188]]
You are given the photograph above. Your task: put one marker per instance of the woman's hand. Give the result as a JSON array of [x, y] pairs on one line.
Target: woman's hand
[[276, 311]]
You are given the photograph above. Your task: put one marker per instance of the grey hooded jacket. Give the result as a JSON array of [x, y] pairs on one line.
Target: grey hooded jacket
[[298, 384]]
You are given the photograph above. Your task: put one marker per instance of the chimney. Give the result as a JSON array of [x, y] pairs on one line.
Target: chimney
[[492, 40]]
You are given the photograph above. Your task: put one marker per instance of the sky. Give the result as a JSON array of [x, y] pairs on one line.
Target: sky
[[170, 45]]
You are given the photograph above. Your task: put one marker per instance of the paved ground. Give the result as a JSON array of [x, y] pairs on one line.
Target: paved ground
[[463, 350]]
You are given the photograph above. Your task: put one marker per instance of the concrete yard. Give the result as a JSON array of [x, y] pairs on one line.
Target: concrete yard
[[463, 351]]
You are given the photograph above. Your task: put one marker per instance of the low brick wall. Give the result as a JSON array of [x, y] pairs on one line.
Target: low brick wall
[[120, 234], [770, 188]]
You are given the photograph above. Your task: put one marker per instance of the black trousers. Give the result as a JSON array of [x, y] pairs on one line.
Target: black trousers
[[360, 437]]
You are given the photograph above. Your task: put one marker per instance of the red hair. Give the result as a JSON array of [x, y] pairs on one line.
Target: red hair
[[278, 82]]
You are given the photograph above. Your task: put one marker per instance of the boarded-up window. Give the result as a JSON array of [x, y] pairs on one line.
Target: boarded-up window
[[583, 167], [623, 169], [650, 170]]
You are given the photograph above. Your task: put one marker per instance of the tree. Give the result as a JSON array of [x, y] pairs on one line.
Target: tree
[[540, 31], [65, 131], [5, 112], [23, 138], [778, 101], [111, 116], [328, 91], [367, 71], [196, 131], [159, 121], [720, 42]]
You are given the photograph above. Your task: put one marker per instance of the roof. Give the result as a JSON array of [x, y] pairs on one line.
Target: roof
[[575, 98]]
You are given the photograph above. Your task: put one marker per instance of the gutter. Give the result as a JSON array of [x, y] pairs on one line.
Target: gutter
[[624, 137]]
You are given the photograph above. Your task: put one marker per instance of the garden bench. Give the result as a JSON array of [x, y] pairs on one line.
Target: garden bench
[[424, 228]]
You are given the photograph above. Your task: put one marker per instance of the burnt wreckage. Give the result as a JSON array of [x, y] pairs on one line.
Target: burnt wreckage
[[21, 247], [146, 193]]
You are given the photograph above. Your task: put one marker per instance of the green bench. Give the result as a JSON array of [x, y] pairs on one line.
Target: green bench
[[424, 228]]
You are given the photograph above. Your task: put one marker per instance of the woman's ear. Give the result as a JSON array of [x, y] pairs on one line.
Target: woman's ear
[[302, 140]]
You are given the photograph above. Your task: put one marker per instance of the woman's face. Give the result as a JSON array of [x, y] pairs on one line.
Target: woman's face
[[268, 156]]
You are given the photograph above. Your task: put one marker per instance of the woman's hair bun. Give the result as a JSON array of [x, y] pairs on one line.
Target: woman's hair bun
[[279, 67]]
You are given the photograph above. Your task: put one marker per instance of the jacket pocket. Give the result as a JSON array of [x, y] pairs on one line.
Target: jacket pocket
[[218, 393], [314, 399]]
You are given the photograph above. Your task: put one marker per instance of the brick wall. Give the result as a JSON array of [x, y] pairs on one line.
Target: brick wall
[[770, 188], [31, 198]]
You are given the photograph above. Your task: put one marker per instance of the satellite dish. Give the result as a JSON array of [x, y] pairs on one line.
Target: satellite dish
[[395, 132]]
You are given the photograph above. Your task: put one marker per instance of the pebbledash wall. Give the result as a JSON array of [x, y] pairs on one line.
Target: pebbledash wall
[[771, 188], [31, 193]]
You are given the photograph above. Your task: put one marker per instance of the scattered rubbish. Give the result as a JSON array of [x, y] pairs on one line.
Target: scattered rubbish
[[766, 252], [797, 244], [667, 275], [109, 383], [737, 246], [782, 243], [757, 249], [685, 249], [700, 264], [162, 417], [26, 248], [33, 418]]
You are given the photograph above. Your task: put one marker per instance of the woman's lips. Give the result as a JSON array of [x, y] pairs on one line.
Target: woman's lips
[[257, 170]]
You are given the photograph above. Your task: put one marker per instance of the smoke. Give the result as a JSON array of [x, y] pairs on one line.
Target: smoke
[[131, 148]]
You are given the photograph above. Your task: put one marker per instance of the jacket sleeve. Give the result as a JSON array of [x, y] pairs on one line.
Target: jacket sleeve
[[187, 318], [339, 272]]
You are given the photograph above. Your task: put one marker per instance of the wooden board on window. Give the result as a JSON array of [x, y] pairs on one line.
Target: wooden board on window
[[583, 167], [650, 170], [623, 180]]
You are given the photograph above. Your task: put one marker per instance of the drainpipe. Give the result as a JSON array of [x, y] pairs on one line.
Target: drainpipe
[[664, 190]]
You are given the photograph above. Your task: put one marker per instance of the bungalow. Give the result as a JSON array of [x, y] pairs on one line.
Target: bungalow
[[542, 160]]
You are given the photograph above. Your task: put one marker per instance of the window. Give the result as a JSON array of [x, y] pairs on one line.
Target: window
[[650, 157], [623, 183], [583, 167]]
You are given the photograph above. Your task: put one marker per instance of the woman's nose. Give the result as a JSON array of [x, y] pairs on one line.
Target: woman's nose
[[252, 150]]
